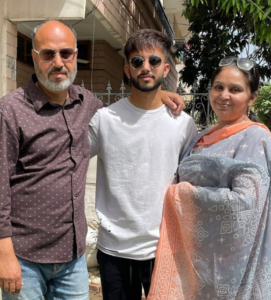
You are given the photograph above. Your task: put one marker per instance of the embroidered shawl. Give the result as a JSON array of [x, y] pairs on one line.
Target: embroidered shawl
[[216, 233]]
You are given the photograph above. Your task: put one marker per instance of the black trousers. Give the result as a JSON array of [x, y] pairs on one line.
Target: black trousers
[[122, 279]]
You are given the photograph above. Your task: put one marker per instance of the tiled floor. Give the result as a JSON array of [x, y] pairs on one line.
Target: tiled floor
[[94, 294]]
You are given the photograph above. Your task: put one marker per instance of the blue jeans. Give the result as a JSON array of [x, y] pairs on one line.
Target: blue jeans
[[65, 281]]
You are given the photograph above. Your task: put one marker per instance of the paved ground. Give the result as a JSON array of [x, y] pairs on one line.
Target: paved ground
[[95, 295]]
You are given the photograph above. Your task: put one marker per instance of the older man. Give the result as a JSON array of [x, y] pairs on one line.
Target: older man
[[44, 155]]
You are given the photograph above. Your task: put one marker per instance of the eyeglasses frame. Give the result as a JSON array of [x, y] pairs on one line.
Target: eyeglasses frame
[[49, 61], [144, 61], [237, 59]]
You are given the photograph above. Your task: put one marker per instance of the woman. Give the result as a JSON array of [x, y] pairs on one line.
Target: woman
[[216, 233]]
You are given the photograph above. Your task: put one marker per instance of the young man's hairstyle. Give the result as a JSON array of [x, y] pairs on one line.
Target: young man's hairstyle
[[147, 39]]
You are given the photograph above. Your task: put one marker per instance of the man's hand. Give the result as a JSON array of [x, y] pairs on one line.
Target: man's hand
[[173, 100], [10, 269]]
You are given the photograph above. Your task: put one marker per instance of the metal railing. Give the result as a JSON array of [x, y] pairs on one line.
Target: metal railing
[[197, 104], [110, 97], [198, 107]]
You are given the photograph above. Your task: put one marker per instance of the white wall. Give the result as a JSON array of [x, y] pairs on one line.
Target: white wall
[[90, 191], [3, 51], [27, 10]]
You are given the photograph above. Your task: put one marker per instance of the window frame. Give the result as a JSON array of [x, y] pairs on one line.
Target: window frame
[[26, 39]]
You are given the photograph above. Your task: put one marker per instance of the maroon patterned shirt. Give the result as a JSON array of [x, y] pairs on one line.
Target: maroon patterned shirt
[[44, 156]]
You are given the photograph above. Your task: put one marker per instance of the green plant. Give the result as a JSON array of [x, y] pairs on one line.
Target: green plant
[[262, 105], [221, 28]]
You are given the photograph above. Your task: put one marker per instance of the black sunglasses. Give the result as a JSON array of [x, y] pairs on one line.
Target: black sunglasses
[[47, 55], [242, 63], [138, 61]]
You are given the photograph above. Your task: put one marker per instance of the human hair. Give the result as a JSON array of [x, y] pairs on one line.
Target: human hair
[[252, 78], [35, 30], [147, 39]]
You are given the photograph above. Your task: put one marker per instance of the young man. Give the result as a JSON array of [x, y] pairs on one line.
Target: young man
[[44, 156], [138, 142]]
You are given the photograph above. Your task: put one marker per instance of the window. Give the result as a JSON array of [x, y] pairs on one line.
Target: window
[[83, 58], [25, 45], [24, 49]]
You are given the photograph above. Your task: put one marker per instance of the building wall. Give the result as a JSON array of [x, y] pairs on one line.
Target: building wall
[[3, 49], [123, 17], [177, 31], [173, 76], [11, 56], [107, 64], [24, 73], [8, 49]]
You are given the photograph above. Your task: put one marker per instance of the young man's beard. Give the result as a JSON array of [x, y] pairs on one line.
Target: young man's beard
[[146, 88]]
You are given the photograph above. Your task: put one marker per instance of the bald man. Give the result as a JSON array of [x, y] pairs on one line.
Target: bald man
[[44, 156]]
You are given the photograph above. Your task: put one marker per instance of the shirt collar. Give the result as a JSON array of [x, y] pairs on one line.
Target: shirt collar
[[39, 99]]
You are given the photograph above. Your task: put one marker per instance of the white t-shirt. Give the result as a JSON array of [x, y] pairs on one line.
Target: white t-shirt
[[138, 153]]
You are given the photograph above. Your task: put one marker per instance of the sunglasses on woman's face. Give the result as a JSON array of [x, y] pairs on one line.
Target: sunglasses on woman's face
[[47, 55], [242, 63], [138, 61]]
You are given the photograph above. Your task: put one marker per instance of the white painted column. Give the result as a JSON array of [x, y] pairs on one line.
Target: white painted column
[[3, 54], [8, 52], [7, 63], [3, 50], [90, 191]]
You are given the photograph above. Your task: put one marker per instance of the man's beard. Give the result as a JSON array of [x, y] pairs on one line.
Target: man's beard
[[146, 88], [55, 86]]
